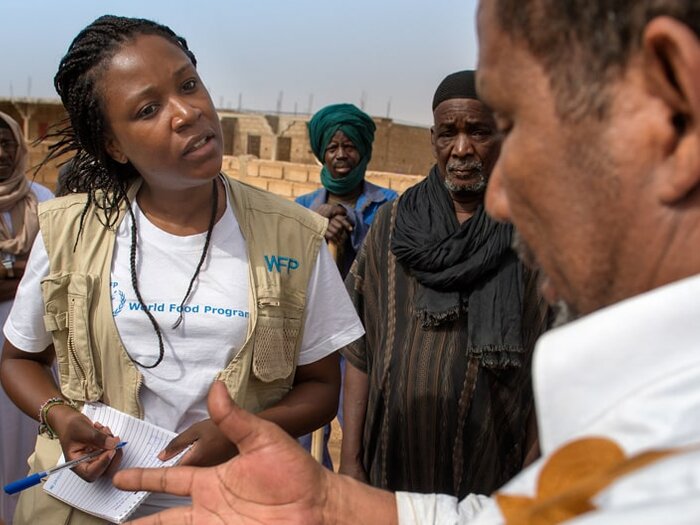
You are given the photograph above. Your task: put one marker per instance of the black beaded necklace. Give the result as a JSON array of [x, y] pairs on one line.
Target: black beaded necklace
[[156, 327]]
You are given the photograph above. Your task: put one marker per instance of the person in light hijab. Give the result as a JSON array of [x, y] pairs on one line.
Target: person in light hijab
[[18, 228]]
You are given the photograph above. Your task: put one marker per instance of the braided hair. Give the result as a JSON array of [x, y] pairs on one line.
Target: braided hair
[[92, 170]]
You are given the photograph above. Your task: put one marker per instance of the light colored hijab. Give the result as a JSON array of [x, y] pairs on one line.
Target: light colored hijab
[[16, 198]]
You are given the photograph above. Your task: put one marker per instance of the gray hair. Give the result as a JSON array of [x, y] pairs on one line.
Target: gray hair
[[585, 44]]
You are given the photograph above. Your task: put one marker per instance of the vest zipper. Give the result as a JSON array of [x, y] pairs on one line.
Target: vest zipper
[[289, 306], [262, 303], [139, 382], [71, 347]]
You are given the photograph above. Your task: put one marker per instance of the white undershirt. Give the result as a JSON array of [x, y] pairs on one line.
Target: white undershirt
[[214, 326]]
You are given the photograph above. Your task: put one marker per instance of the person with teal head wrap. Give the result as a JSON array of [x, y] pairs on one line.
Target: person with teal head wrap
[[341, 137], [324, 130]]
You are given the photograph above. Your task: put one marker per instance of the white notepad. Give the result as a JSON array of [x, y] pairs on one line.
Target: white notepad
[[101, 498]]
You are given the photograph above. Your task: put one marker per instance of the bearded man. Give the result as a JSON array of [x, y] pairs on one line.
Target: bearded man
[[600, 171], [438, 393]]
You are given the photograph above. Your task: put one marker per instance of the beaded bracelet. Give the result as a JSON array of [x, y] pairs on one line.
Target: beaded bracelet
[[44, 427]]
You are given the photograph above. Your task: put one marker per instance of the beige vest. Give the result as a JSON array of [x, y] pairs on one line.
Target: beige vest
[[282, 241]]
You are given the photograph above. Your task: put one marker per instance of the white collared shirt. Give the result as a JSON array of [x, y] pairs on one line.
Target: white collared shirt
[[629, 373]]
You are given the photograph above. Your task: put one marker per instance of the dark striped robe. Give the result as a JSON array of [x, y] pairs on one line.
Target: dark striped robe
[[438, 419]]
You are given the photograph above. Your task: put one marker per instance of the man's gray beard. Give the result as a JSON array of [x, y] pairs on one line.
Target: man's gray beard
[[563, 312], [475, 187]]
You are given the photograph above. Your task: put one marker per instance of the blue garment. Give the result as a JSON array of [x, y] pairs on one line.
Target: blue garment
[[361, 216]]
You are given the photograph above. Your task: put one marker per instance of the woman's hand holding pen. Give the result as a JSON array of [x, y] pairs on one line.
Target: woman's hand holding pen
[[209, 445], [79, 436]]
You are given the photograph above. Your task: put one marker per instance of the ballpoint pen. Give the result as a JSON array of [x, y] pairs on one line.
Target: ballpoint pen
[[30, 481]]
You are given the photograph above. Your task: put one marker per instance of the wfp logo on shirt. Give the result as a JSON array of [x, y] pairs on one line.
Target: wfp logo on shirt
[[118, 299], [280, 263]]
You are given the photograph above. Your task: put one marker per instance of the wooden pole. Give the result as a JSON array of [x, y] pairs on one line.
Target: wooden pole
[[317, 444]]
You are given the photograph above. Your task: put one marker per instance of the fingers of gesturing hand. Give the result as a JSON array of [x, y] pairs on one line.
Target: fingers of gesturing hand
[[174, 480], [244, 429], [175, 516]]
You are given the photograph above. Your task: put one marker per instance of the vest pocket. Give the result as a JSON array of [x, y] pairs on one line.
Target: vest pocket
[[274, 349], [68, 298]]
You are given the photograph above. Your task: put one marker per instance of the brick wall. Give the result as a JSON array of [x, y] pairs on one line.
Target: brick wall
[[290, 180], [401, 148], [48, 174], [287, 179], [398, 148]]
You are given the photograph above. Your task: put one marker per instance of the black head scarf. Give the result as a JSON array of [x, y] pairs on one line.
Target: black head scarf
[[460, 267]]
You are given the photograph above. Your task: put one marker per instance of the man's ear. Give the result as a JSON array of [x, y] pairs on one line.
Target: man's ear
[[114, 150], [672, 70], [432, 142]]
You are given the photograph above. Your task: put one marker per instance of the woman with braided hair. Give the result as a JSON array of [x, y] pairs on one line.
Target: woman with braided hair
[[157, 274]]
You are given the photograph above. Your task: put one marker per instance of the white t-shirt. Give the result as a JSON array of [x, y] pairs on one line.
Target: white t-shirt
[[216, 314]]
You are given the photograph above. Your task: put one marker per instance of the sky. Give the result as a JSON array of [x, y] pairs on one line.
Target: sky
[[386, 56]]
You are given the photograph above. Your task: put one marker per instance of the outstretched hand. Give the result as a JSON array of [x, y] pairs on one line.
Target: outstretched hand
[[272, 480]]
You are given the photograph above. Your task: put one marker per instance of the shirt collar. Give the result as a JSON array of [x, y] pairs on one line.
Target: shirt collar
[[373, 192], [370, 193], [584, 369], [320, 196]]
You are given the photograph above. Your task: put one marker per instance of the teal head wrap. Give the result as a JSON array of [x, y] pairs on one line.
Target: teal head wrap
[[359, 128]]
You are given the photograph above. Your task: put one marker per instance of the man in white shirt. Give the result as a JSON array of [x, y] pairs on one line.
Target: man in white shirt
[[599, 103]]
